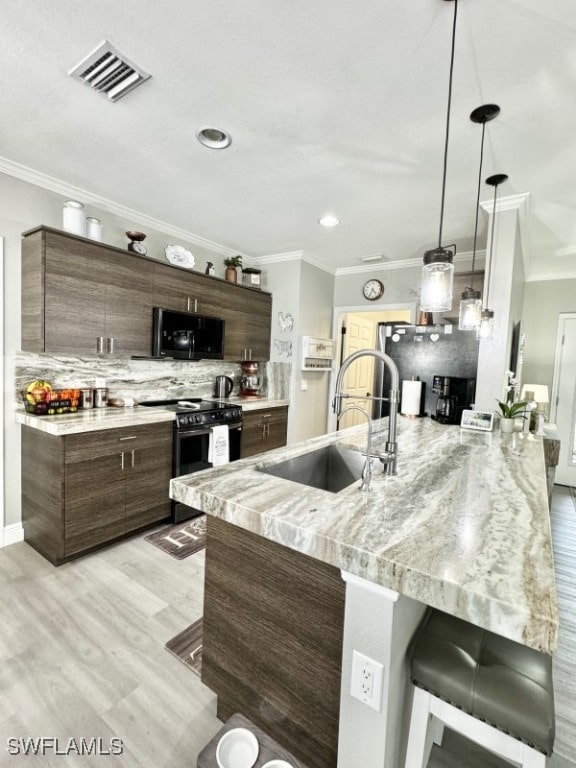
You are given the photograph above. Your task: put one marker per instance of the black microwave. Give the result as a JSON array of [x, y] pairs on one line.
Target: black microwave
[[186, 336]]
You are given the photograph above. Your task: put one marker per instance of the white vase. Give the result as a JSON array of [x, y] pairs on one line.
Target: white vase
[[74, 218], [506, 425], [94, 228]]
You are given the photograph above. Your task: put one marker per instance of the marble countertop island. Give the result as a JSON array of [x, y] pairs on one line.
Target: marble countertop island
[[463, 527]]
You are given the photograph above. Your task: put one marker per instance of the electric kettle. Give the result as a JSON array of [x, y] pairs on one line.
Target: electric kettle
[[223, 386]]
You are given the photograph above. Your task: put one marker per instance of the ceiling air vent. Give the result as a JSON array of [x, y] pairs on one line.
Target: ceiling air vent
[[109, 72]]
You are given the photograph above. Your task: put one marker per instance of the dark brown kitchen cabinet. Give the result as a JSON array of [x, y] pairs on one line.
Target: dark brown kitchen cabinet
[[264, 430], [82, 297], [248, 325], [185, 291], [84, 490], [247, 313]]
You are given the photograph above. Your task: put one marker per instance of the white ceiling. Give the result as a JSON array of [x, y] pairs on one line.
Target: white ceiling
[[332, 105]]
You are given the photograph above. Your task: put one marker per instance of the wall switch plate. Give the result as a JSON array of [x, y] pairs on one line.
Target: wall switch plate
[[303, 385], [367, 680]]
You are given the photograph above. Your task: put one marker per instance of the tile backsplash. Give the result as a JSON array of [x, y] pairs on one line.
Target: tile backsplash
[[142, 379]]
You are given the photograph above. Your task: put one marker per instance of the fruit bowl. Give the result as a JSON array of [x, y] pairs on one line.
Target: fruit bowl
[[44, 401]]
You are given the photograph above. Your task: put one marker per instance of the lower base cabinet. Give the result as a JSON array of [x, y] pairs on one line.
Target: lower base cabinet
[[84, 490], [264, 430]]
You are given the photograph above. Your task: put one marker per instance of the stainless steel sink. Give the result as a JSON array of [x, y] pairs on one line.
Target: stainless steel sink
[[330, 469]]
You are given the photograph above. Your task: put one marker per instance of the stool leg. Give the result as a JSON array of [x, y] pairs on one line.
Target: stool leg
[[532, 759], [417, 752], [438, 731]]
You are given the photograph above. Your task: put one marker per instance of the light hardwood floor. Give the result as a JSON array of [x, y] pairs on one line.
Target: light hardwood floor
[[82, 655]]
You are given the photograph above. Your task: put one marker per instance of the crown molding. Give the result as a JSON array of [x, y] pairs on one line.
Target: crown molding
[[275, 258], [536, 278], [404, 264], [39, 179]]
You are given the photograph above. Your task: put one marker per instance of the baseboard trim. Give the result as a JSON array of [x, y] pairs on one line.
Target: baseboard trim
[[12, 534]]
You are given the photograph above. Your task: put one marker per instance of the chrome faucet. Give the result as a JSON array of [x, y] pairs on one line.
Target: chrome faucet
[[367, 469], [389, 457]]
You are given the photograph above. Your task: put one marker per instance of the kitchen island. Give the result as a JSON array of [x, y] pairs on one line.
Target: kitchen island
[[463, 527]]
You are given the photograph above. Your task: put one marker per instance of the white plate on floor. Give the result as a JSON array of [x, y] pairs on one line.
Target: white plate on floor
[[237, 748], [179, 256]]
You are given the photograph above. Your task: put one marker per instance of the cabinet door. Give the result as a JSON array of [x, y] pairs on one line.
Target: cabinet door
[[258, 325], [129, 300], [75, 296], [148, 463], [248, 317], [264, 430], [171, 288], [94, 481], [275, 427]]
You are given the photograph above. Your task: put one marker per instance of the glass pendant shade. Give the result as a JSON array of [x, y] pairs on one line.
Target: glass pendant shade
[[437, 281], [470, 311], [486, 328]]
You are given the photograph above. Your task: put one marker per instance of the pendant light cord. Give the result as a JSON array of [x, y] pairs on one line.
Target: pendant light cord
[[478, 203], [491, 246], [448, 123]]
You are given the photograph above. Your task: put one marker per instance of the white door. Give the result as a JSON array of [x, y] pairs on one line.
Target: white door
[[360, 334], [563, 411]]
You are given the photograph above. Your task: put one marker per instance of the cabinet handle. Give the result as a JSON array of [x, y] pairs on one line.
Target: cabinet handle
[[99, 345], [110, 344], [249, 354], [131, 437], [188, 304], [132, 452], [195, 305], [122, 460]]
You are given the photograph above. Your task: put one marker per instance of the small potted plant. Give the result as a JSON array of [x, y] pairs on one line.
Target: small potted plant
[[231, 263], [509, 412]]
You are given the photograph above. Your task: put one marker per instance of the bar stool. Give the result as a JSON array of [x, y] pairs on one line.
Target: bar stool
[[490, 689]]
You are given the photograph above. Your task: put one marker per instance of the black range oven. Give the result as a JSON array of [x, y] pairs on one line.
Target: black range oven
[[192, 428]]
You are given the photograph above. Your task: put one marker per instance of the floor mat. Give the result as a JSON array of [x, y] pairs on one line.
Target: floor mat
[[187, 646], [181, 540]]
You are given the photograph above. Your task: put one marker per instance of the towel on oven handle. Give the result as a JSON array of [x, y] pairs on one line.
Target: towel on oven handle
[[219, 445]]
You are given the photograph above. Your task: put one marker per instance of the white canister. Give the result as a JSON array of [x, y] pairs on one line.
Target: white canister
[[74, 218], [94, 228]]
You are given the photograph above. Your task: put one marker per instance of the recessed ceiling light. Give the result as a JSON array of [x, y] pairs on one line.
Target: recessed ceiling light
[[329, 220], [214, 138]]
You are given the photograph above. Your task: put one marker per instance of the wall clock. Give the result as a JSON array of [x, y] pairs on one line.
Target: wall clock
[[373, 289]]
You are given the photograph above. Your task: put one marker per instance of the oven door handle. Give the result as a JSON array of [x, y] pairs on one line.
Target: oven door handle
[[184, 432]]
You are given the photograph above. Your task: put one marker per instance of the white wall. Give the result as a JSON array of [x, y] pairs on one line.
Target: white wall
[[314, 319], [543, 302]]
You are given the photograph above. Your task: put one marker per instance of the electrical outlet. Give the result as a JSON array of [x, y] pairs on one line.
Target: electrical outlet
[[367, 680]]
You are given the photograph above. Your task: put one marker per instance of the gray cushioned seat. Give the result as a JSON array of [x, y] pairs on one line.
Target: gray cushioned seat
[[504, 683]]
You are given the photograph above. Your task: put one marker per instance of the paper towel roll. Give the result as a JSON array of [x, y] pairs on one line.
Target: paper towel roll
[[410, 399]]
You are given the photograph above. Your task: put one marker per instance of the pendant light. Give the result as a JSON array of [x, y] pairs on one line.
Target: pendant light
[[471, 303], [438, 269], [487, 320]]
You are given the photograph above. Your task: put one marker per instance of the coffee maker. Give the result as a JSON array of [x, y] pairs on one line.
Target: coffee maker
[[454, 396]]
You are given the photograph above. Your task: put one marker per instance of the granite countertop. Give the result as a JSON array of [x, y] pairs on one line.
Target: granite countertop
[[463, 526], [114, 418]]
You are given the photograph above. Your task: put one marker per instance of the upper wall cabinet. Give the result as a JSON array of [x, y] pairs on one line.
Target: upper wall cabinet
[[83, 297]]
